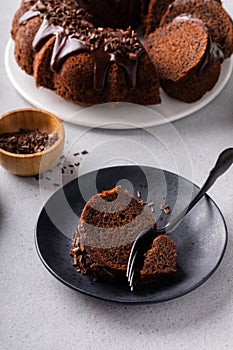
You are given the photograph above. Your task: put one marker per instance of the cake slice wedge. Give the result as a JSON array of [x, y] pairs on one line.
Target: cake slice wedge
[[108, 226], [185, 58], [213, 15]]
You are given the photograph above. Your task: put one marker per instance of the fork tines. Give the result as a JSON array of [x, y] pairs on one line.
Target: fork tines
[[140, 245]]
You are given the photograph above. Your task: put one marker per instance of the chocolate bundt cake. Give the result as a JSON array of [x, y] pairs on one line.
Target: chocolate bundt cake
[[186, 59], [212, 14], [69, 47], [109, 224], [57, 43]]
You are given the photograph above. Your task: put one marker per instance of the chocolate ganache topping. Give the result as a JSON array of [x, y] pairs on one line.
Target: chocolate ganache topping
[[74, 33]]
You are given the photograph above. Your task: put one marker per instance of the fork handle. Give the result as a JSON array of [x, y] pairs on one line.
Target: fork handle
[[223, 163]]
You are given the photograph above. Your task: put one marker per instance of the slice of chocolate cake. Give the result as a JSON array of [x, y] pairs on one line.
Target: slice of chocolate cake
[[107, 228], [152, 12], [156, 9], [214, 16], [186, 59], [160, 260]]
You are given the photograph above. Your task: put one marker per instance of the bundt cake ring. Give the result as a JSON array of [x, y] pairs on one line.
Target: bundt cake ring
[[70, 48]]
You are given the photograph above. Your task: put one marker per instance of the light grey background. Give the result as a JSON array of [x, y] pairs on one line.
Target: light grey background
[[38, 312]]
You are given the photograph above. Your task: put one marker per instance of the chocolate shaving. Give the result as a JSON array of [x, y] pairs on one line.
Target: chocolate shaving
[[27, 141], [165, 208]]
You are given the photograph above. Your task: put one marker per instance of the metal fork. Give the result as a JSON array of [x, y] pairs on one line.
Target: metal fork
[[145, 238]]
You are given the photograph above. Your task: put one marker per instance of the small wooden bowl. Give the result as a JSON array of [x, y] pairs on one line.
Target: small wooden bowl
[[31, 119]]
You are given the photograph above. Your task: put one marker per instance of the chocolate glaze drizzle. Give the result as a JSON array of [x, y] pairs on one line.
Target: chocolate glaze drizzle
[[28, 15], [105, 45], [212, 55]]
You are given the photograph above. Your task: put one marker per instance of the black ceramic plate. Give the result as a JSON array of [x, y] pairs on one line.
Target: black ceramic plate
[[201, 237]]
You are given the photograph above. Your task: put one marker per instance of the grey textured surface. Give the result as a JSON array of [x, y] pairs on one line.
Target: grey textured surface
[[38, 312]]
